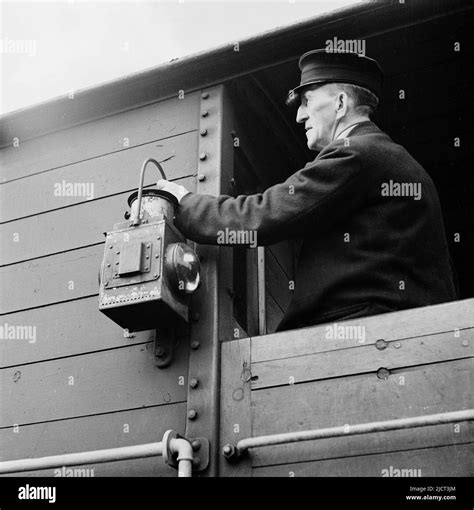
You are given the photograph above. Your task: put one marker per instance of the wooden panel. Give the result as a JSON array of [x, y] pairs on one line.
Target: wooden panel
[[141, 125], [64, 329], [108, 174], [441, 387], [48, 280], [95, 433], [444, 461], [390, 326], [274, 313], [235, 402], [65, 229], [277, 282], [283, 252], [362, 358], [105, 381]]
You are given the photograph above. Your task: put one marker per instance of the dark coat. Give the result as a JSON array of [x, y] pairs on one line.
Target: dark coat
[[362, 252]]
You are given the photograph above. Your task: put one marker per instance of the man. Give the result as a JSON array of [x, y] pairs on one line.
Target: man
[[367, 213]]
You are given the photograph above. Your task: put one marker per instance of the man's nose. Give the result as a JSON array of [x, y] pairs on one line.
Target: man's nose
[[301, 115]]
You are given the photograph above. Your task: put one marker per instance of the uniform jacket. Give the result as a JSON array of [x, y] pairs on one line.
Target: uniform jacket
[[363, 250]]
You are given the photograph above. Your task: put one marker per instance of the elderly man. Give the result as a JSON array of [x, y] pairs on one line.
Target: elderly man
[[367, 213]]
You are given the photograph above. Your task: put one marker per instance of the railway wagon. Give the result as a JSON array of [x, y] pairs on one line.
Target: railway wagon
[[232, 397]]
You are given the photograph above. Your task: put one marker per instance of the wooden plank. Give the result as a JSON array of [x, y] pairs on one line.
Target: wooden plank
[[125, 428], [283, 253], [389, 326], [106, 381], [444, 461], [65, 229], [53, 279], [274, 313], [431, 389], [277, 282], [108, 174], [235, 418], [65, 329], [363, 358], [103, 136]]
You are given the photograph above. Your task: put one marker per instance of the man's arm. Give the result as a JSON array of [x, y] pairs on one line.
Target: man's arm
[[314, 198]]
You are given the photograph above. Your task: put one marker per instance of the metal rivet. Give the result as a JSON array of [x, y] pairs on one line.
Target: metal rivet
[[383, 373], [192, 415], [196, 445], [110, 247], [117, 263], [108, 265], [203, 132], [155, 275], [106, 284], [205, 95], [397, 345], [146, 268], [148, 245], [158, 238], [193, 383], [156, 256], [381, 344], [196, 316], [147, 256], [227, 450], [465, 343], [195, 344], [118, 253], [202, 156], [205, 113], [196, 461], [201, 177]]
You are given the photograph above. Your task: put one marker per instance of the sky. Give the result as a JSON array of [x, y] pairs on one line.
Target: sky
[[48, 49]]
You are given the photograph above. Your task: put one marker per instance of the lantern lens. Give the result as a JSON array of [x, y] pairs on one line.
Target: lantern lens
[[182, 267]]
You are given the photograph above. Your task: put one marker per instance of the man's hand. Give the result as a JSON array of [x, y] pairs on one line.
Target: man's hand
[[175, 189]]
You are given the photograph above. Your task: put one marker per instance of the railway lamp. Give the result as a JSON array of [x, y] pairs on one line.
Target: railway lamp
[[148, 272]]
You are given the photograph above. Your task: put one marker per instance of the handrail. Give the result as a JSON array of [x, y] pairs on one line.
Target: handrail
[[230, 451], [170, 446]]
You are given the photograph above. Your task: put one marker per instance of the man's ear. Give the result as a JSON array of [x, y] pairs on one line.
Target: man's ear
[[341, 104]]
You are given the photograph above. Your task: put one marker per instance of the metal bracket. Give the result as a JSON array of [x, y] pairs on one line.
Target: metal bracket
[[200, 446], [165, 343]]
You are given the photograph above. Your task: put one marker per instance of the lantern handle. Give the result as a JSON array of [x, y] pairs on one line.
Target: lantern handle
[[136, 219]]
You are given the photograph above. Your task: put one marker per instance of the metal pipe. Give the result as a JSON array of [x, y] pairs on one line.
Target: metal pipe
[[136, 219], [81, 458], [185, 456], [348, 430]]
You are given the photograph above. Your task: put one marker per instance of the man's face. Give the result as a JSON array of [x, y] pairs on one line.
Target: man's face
[[318, 114]]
